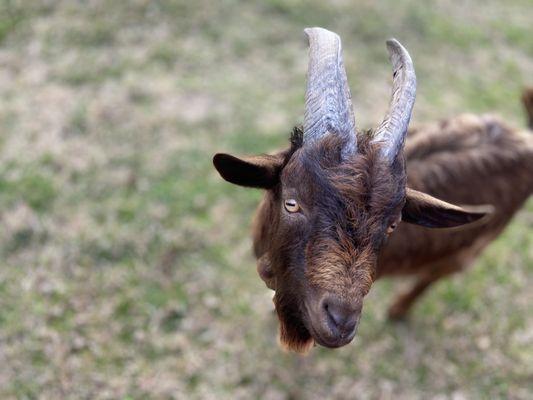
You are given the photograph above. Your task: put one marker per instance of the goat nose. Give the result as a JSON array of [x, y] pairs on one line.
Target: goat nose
[[342, 318]]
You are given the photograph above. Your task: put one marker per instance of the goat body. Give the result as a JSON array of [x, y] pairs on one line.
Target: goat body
[[473, 160]]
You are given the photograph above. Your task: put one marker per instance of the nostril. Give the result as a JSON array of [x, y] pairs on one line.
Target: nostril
[[334, 314], [342, 318]]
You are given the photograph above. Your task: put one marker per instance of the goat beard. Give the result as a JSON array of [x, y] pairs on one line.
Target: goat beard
[[293, 335]]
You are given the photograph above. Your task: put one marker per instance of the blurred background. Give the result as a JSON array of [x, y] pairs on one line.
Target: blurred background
[[126, 266]]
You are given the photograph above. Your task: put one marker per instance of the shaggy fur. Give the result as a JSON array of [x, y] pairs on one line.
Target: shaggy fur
[[350, 202]]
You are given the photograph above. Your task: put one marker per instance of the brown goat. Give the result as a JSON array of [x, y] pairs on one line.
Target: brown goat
[[324, 230]]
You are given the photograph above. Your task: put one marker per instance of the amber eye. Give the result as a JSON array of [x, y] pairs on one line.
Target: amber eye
[[292, 206], [391, 228]]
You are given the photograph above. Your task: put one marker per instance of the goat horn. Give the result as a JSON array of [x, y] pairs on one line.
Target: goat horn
[[393, 129], [328, 104]]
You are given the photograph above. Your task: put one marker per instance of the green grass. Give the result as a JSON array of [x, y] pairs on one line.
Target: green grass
[[31, 187], [127, 271]]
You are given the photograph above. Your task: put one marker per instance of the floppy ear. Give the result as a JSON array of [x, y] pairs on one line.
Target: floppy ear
[[423, 209], [256, 171]]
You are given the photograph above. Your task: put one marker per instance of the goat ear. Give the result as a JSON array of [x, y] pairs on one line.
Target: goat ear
[[423, 209], [255, 171]]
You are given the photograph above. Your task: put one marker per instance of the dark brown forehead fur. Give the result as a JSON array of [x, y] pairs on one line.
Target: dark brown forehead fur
[[346, 191]]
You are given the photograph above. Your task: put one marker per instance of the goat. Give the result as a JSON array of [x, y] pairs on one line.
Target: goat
[[329, 223]]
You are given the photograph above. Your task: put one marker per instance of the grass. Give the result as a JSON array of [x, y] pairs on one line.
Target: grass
[[127, 271]]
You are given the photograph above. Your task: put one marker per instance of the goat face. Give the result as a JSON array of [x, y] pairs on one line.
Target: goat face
[[331, 200], [320, 256]]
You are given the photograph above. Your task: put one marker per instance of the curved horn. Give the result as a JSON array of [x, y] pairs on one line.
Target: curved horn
[[328, 104], [393, 129]]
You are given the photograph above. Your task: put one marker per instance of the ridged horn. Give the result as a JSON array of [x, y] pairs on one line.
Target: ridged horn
[[328, 104], [393, 129]]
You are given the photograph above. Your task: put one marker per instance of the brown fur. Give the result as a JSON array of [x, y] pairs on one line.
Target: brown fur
[[358, 198]]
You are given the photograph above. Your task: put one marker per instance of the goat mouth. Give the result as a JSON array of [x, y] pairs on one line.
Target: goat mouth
[[329, 341]]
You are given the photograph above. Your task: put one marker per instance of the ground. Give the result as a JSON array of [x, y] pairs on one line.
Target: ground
[[126, 265]]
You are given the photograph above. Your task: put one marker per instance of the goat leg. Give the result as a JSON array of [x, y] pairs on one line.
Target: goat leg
[[404, 302]]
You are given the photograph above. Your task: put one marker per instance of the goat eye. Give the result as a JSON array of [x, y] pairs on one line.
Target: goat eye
[[392, 227], [292, 206]]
